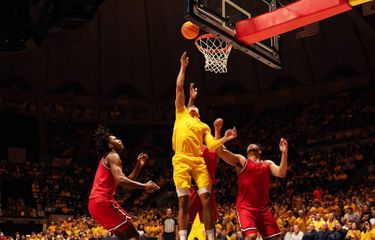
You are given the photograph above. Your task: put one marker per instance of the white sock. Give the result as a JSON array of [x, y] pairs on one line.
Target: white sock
[[210, 234], [183, 234]]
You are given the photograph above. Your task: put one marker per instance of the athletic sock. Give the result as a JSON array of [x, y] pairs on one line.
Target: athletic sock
[[183, 234], [210, 234]]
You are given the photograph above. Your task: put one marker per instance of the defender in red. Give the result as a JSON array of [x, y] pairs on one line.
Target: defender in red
[[102, 206], [194, 201], [253, 212]]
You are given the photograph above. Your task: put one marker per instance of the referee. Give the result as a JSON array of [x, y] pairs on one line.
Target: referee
[[170, 227]]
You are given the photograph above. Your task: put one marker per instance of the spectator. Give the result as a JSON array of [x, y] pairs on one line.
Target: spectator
[[331, 222], [318, 222], [350, 216], [297, 234], [289, 233], [311, 233], [323, 233], [366, 233], [353, 233], [338, 233], [318, 193]]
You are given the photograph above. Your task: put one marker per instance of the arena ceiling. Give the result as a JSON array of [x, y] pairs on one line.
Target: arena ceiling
[[133, 47]]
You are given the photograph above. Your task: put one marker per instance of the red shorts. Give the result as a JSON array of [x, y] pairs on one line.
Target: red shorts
[[109, 214], [195, 206], [253, 220]]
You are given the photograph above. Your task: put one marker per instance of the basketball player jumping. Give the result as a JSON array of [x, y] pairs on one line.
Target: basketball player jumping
[[189, 133], [102, 205], [211, 160], [252, 207]]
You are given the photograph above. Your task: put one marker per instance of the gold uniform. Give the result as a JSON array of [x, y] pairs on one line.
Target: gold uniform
[[187, 142]]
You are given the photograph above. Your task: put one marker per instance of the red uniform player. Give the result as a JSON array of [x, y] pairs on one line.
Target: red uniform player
[[102, 206]]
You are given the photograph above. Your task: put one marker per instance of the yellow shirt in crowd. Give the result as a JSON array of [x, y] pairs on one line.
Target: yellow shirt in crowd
[[354, 234], [332, 224], [318, 224]]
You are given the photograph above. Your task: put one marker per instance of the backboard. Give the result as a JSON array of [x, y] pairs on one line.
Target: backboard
[[219, 17]]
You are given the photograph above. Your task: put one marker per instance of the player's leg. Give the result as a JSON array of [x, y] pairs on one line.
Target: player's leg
[[195, 206], [128, 232], [112, 217], [202, 178], [183, 214], [267, 225], [182, 180], [215, 213], [246, 219]]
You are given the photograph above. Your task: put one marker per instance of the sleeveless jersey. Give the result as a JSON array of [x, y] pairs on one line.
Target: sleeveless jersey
[[253, 185], [104, 185]]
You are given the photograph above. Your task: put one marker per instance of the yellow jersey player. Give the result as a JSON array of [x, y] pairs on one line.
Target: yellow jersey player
[[189, 135]]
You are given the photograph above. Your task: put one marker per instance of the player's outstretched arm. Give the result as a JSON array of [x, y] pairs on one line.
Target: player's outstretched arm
[[236, 160], [280, 171], [120, 178], [212, 143], [141, 159], [193, 95], [180, 95]]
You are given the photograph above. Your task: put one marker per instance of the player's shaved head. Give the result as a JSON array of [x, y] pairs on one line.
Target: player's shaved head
[[253, 148]]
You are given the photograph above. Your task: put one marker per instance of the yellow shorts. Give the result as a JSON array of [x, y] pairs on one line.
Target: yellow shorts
[[185, 167]]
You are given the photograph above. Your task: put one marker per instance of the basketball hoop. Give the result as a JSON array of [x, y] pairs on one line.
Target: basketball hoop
[[216, 52]]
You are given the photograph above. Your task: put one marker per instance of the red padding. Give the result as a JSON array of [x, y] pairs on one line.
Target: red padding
[[292, 16]]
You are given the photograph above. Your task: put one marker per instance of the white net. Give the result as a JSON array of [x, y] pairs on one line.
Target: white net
[[216, 52]]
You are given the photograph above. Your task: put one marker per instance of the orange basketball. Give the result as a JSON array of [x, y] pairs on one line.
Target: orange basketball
[[189, 30]]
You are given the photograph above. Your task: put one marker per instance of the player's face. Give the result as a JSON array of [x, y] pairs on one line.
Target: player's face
[[116, 143], [194, 111]]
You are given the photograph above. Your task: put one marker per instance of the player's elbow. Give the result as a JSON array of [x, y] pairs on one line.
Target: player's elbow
[[120, 181], [179, 87], [281, 174]]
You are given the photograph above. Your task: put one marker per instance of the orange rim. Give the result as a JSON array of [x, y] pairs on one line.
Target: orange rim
[[210, 35]]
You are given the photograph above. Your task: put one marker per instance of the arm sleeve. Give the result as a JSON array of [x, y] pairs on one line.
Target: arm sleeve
[[210, 141]]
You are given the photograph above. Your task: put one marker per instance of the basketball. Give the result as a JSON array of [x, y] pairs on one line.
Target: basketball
[[189, 30]]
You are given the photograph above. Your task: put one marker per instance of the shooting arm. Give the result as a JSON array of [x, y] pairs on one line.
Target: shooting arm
[[180, 94]]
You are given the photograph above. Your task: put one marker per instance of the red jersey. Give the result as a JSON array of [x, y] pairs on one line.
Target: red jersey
[[253, 185], [104, 185], [211, 162]]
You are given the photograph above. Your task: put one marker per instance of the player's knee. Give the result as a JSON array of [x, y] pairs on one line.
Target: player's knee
[[252, 236], [134, 237], [205, 198], [129, 233]]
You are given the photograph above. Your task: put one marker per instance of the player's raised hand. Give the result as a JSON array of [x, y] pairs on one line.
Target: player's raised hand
[[218, 124], [142, 157], [193, 91], [151, 186], [283, 145], [184, 60], [230, 134]]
